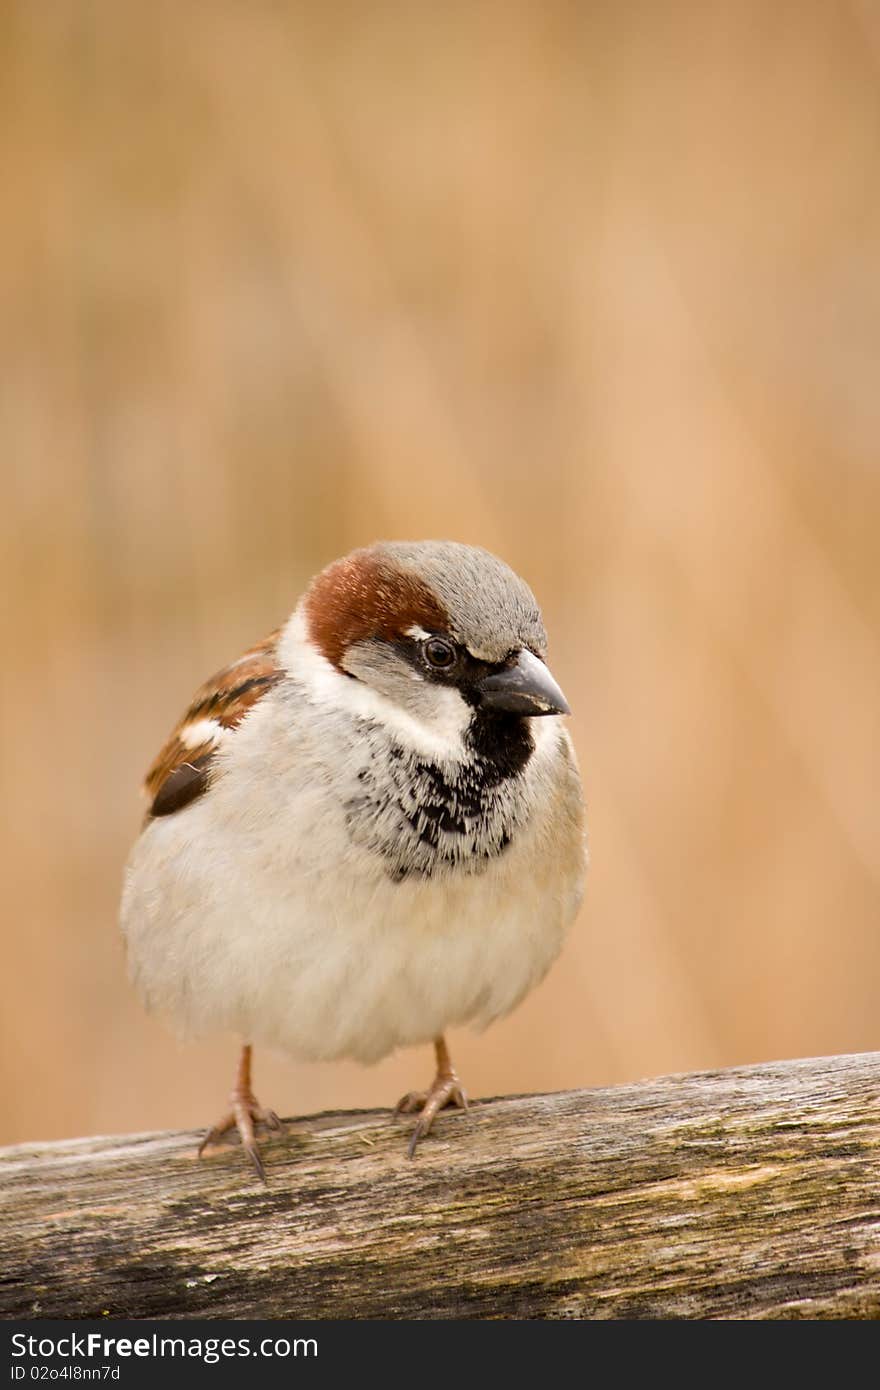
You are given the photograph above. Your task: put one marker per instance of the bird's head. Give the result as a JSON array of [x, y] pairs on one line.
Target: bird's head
[[445, 632]]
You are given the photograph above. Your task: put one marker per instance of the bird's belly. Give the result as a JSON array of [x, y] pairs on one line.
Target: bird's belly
[[411, 963], [348, 963]]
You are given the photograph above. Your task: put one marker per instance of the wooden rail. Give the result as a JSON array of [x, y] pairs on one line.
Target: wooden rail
[[747, 1193]]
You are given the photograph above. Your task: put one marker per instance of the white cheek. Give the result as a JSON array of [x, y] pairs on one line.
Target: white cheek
[[547, 731], [331, 689], [441, 738]]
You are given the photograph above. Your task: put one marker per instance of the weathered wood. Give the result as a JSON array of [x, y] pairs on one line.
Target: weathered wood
[[746, 1193]]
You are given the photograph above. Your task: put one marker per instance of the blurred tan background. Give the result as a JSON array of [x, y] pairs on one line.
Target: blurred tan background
[[594, 285]]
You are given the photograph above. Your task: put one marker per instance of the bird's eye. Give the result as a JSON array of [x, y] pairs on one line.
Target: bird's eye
[[439, 654]]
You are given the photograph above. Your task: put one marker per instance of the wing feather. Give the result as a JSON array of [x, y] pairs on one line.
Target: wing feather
[[182, 770]]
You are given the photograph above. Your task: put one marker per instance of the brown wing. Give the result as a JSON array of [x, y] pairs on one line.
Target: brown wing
[[181, 771]]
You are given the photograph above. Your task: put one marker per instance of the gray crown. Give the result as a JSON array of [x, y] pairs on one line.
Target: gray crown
[[491, 610]]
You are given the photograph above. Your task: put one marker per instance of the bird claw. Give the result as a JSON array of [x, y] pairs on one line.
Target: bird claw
[[446, 1091], [246, 1114]]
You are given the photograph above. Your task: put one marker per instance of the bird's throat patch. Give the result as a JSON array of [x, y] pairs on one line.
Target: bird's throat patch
[[428, 819]]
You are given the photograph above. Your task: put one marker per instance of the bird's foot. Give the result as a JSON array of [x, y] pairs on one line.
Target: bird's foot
[[446, 1090], [246, 1114]]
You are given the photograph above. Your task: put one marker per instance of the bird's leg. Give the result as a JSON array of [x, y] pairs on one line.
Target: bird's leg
[[246, 1112], [446, 1090]]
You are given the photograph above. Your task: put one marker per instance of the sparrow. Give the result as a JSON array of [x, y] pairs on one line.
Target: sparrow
[[366, 830]]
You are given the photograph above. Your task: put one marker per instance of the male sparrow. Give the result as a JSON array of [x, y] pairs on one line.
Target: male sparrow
[[361, 833]]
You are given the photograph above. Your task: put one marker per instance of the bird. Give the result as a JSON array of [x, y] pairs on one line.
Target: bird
[[366, 830]]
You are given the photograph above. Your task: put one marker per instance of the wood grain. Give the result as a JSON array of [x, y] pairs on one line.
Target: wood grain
[[750, 1193]]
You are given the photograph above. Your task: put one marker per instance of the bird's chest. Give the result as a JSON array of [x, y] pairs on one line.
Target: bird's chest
[[424, 819]]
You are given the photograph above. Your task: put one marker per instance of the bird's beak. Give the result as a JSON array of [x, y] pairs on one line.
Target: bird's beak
[[525, 687]]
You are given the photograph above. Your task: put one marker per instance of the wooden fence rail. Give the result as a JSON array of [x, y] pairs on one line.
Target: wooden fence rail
[[747, 1193]]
